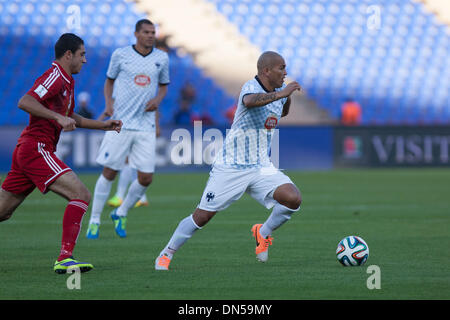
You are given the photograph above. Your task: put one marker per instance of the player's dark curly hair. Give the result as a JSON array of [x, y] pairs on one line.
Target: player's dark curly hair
[[68, 41]]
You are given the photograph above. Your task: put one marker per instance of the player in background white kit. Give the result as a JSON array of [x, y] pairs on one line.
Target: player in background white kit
[[136, 83], [126, 176], [244, 165]]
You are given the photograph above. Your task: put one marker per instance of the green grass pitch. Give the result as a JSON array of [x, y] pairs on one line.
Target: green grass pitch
[[403, 215]]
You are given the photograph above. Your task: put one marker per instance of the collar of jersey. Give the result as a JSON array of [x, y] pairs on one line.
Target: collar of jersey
[[61, 71], [134, 48], [261, 84]]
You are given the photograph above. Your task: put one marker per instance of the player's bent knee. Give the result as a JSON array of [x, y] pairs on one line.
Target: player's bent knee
[[84, 194], [289, 196], [291, 200], [295, 202], [109, 174], [145, 181], [4, 217], [5, 214], [202, 217], [144, 178], [88, 197]]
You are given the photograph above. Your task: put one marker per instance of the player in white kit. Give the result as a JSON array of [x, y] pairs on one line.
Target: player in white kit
[[136, 83], [244, 165]]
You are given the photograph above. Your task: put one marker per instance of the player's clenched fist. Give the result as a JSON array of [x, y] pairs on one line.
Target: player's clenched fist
[[111, 125], [152, 105], [67, 123], [291, 87]]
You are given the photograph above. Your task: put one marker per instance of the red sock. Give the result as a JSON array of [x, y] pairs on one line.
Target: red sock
[[71, 226]]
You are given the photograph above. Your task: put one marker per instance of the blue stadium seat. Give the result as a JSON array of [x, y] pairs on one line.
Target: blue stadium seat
[[28, 30], [329, 47], [398, 72]]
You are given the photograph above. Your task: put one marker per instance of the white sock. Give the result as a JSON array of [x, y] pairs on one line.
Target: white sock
[[135, 192], [101, 194], [143, 198], [280, 214], [127, 174], [186, 228]]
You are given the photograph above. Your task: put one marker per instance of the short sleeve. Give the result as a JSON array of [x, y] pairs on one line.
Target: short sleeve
[[114, 65], [46, 86], [248, 88], [164, 77]]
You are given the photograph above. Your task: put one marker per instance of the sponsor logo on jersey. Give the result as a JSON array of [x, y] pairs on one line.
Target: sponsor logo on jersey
[[142, 80], [271, 122]]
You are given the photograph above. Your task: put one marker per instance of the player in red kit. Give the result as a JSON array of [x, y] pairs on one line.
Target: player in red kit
[[50, 103]]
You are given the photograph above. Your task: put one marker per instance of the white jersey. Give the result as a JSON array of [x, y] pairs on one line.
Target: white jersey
[[136, 82], [247, 143]]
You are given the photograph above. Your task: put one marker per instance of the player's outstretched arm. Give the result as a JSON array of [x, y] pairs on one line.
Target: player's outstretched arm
[[261, 99], [253, 100], [29, 104], [108, 125]]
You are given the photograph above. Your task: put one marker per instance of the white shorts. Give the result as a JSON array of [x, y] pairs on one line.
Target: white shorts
[[138, 146], [225, 186]]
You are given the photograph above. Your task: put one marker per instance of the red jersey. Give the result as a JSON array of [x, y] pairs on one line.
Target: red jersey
[[55, 90]]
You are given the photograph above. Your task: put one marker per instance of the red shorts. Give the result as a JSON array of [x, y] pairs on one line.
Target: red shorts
[[33, 165]]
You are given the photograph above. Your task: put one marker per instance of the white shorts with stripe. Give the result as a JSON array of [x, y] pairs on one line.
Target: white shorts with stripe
[[226, 185], [138, 146]]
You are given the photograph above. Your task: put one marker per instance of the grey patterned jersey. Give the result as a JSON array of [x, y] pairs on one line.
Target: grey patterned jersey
[[136, 82], [247, 143]]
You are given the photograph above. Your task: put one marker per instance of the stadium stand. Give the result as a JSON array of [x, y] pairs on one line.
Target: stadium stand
[[397, 70], [28, 30]]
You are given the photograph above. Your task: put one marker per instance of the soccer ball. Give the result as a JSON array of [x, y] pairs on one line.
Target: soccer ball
[[352, 251]]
